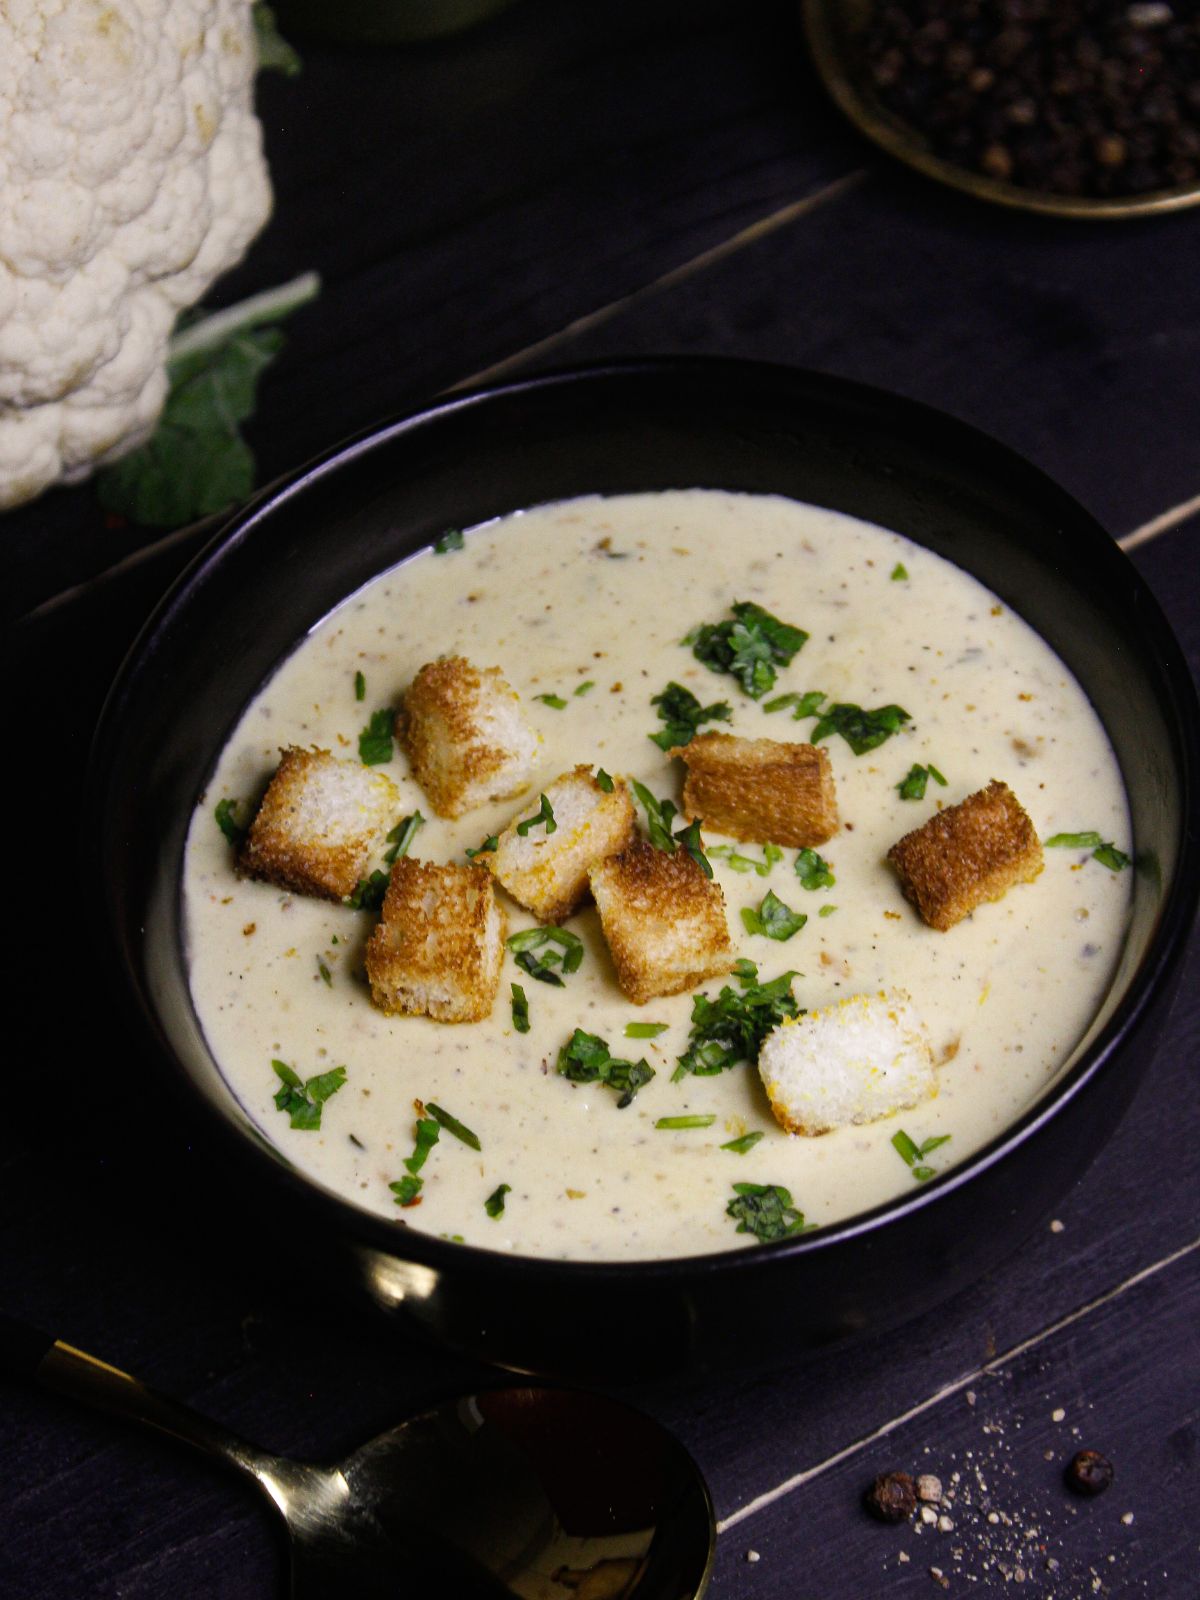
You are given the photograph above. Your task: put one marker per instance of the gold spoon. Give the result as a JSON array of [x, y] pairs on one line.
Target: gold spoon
[[533, 1492]]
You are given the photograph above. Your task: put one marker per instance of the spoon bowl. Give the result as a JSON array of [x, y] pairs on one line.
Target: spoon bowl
[[529, 1492]]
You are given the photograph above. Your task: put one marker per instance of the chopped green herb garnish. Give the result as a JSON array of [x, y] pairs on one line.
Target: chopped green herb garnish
[[913, 1154], [913, 786], [645, 1030], [807, 705], [401, 836], [744, 1144], [555, 701], [683, 714], [691, 841], [356, 1141], [490, 843], [453, 1125], [1104, 852], [546, 815], [526, 945], [225, 813], [826, 911], [765, 1210], [813, 871], [368, 892], [375, 741], [862, 730], [749, 648], [326, 975], [732, 1027], [494, 1204], [603, 779], [773, 919], [743, 863], [520, 1008], [427, 1132], [687, 1122], [407, 1191], [452, 539], [659, 816], [586, 687], [899, 572], [746, 972], [585, 1059], [360, 686], [303, 1099]]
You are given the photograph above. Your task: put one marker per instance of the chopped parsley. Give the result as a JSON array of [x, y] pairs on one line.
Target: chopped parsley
[[326, 975], [555, 701], [401, 836], [862, 730], [1104, 852], [704, 1121], [527, 944], [691, 841], [586, 687], [732, 1027], [749, 648], [375, 741], [585, 1059], [603, 779], [813, 871], [494, 1204], [408, 1190], [765, 1210], [826, 911], [683, 714], [452, 539], [773, 919], [303, 1099], [520, 1008], [645, 1030], [659, 816], [360, 686], [899, 572], [225, 812], [741, 1146], [742, 863], [914, 1154], [913, 786], [454, 1126], [490, 843], [807, 705], [546, 815], [368, 892]]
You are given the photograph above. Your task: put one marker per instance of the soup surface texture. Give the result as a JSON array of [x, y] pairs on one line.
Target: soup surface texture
[[587, 601]]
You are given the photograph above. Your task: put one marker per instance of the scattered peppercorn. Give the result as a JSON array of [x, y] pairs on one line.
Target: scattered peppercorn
[[1089, 1473], [1073, 97], [892, 1497]]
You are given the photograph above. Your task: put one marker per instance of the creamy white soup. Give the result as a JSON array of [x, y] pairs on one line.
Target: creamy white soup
[[588, 602]]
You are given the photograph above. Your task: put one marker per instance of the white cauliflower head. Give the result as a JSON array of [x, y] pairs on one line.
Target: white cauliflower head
[[131, 175]]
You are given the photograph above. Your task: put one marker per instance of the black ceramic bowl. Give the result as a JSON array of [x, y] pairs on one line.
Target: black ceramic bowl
[[286, 561]]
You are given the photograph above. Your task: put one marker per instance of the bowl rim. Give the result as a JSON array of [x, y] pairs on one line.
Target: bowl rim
[[253, 1149]]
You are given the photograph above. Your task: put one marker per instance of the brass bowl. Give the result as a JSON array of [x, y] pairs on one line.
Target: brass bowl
[[833, 29]]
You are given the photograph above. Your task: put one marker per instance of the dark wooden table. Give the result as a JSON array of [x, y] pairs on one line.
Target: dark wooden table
[[564, 183]]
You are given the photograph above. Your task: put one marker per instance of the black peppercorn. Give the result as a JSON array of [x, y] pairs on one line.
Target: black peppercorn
[[892, 1497], [1089, 1473]]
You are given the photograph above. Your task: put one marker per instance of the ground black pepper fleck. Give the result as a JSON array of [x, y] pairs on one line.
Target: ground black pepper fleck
[[892, 1497], [1089, 1473], [1069, 97]]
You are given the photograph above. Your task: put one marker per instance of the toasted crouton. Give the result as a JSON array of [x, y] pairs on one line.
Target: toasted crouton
[[855, 1061], [759, 789], [663, 919], [439, 943], [320, 822], [548, 872], [465, 735], [969, 853]]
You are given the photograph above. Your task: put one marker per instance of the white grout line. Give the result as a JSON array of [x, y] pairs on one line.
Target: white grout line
[[687, 269], [797, 1480], [1160, 524]]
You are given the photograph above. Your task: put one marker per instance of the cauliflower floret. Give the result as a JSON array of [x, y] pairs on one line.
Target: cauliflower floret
[[131, 175]]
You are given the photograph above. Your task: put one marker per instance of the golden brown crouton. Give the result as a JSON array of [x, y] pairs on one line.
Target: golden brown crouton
[[465, 735], [663, 919], [969, 853], [320, 822], [439, 943], [759, 789], [548, 872]]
